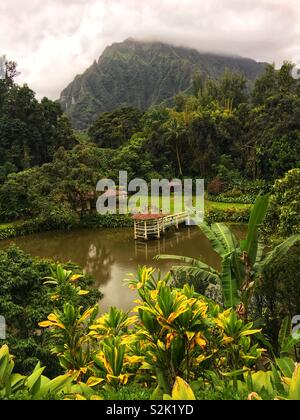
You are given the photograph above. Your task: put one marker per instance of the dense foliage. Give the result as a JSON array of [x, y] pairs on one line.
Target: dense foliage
[[112, 129], [174, 333], [25, 302], [60, 186], [30, 131], [239, 141], [284, 214], [227, 332], [143, 74]]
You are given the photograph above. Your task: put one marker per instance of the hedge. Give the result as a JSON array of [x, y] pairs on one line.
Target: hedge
[[228, 215], [243, 199], [95, 220]]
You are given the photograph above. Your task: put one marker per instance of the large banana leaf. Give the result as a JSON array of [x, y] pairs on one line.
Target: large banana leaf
[[194, 266], [284, 333], [192, 263], [238, 268], [277, 253], [233, 271], [229, 283], [186, 260], [225, 236], [215, 240], [201, 274], [258, 213]]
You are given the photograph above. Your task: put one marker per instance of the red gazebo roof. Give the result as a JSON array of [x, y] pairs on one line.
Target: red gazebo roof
[[148, 216]]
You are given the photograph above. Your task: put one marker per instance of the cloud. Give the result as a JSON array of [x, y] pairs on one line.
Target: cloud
[[53, 40]]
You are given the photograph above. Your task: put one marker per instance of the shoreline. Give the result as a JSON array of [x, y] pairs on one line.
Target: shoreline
[[96, 221]]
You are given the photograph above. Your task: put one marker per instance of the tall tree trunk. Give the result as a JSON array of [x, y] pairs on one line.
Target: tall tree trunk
[[179, 161]]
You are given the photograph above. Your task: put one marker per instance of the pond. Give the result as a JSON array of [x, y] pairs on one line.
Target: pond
[[110, 254]]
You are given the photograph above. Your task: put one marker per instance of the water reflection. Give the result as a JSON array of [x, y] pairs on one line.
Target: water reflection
[[109, 255]]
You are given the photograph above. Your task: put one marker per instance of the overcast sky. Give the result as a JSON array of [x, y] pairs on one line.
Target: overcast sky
[[53, 40]]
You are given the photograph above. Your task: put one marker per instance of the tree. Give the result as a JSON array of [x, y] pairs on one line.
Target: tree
[[62, 186], [113, 129], [30, 131], [176, 134]]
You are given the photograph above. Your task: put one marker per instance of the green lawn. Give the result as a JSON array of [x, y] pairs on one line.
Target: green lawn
[[6, 225], [209, 205]]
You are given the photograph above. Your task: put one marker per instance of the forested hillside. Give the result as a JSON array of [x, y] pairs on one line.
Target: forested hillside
[[142, 74], [239, 141]]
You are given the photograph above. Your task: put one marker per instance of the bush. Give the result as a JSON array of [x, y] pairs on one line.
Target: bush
[[284, 215], [242, 192], [57, 217], [25, 301], [227, 198], [230, 215], [278, 295], [95, 220], [216, 186]]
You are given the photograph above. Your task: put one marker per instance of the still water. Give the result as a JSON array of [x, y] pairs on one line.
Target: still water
[[110, 254]]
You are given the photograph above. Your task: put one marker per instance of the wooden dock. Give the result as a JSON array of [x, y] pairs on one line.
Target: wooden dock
[[147, 226]]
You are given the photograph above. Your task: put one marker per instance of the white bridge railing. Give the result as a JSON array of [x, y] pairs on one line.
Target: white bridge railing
[[147, 228]]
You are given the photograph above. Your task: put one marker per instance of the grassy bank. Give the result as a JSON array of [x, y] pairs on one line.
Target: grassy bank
[[214, 212]]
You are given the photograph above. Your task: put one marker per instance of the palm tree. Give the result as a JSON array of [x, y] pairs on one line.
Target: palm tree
[[244, 262], [175, 133]]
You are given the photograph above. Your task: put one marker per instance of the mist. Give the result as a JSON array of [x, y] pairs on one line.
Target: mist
[[53, 40]]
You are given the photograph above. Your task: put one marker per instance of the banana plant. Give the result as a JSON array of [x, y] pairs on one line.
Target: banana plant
[[243, 262]]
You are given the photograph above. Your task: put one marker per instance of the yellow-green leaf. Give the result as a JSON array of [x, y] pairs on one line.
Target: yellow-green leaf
[[182, 390], [93, 381]]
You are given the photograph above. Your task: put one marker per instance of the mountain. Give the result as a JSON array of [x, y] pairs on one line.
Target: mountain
[[142, 74]]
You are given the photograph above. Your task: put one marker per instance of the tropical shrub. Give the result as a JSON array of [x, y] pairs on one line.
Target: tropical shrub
[[216, 186], [36, 386], [280, 383], [69, 336], [95, 220], [25, 301], [284, 213], [230, 215], [244, 263], [175, 332], [234, 196], [277, 296]]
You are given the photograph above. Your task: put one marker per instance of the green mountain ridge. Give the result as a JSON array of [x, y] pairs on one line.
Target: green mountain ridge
[[143, 74]]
